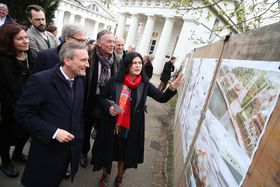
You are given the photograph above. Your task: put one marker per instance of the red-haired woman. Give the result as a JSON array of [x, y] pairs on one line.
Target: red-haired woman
[[15, 67]]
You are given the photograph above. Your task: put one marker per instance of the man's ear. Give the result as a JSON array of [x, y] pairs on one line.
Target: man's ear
[[66, 38], [66, 60], [30, 20], [98, 43]]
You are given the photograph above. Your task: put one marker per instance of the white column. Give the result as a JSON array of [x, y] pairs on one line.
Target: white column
[[184, 44], [82, 21], [59, 22], [95, 30], [121, 25], [159, 60], [132, 32], [72, 18], [147, 35]]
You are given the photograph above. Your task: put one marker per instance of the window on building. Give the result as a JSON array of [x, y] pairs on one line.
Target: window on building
[[94, 7], [141, 2], [149, 2], [167, 3], [155, 34], [133, 2], [158, 3], [126, 2], [152, 46]]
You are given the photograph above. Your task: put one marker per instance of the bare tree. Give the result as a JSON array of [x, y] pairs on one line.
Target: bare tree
[[250, 14]]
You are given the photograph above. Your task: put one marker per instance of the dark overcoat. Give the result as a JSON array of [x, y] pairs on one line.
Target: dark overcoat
[[46, 59], [44, 106], [91, 109], [8, 20], [103, 149], [149, 69], [166, 72], [13, 75]]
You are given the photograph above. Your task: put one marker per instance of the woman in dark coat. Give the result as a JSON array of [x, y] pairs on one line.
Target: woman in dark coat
[[15, 67], [120, 135], [166, 73]]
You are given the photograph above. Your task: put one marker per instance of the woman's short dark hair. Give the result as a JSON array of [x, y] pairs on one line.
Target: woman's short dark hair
[[7, 34], [51, 28], [126, 63], [91, 41]]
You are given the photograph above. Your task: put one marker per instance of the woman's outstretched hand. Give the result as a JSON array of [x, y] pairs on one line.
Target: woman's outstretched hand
[[178, 81]]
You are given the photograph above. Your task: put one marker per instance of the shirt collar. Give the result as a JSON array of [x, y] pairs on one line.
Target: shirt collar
[[66, 77]]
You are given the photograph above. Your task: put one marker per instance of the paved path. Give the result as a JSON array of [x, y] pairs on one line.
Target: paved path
[[148, 174]]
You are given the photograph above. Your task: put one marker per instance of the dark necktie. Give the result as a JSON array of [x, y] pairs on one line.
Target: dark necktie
[[70, 83], [71, 91], [47, 42]]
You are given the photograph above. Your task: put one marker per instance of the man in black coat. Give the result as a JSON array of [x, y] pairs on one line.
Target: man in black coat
[[119, 50], [148, 66], [48, 58], [103, 65], [50, 108], [166, 73], [4, 17]]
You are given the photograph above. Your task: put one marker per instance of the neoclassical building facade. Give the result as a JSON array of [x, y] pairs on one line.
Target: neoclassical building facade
[[156, 28], [153, 26], [92, 15]]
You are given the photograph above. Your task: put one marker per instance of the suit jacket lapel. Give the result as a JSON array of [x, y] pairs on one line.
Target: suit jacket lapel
[[118, 91], [139, 94], [42, 42], [61, 87]]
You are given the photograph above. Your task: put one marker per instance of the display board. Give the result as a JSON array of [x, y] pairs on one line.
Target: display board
[[244, 96], [195, 93]]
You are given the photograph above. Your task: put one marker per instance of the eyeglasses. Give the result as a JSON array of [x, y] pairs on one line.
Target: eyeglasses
[[79, 40]]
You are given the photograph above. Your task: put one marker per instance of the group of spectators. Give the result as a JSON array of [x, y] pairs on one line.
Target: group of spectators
[[54, 91]]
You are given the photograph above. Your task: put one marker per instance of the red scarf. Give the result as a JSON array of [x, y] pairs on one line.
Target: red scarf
[[123, 119]]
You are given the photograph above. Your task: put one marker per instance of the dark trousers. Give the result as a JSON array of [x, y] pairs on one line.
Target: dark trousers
[[5, 149], [86, 141]]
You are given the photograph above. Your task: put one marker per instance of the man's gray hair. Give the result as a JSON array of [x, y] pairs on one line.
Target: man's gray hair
[[70, 30], [2, 5], [102, 33], [67, 50]]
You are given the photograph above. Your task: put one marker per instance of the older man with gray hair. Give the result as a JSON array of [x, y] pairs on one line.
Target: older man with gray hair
[[4, 17], [51, 109], [48, 58], [103, 66]]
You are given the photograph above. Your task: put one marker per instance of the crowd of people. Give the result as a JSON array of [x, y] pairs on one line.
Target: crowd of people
[[55, 90]]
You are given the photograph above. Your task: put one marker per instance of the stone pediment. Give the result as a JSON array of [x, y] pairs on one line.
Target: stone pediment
[[96, 7]]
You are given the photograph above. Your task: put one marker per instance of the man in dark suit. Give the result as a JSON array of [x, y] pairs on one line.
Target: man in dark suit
[[50, 108], [148, 66], [168, 68], [4, 17], [103, 65], [48, 58], [119, 50]]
